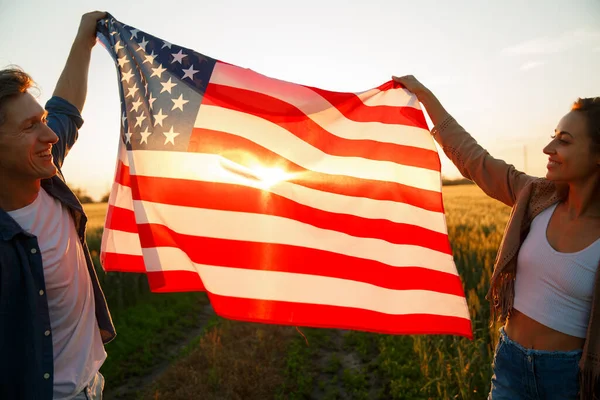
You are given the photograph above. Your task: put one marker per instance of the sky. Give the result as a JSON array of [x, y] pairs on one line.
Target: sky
[[506, 70]]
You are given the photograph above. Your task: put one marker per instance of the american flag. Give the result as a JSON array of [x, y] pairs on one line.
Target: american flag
[[286, 203]]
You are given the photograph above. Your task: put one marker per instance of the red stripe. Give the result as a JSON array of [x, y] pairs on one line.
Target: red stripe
[[122, 262], [296, 122], [122, 176], [249, 154], [120, 219], [300, 260], [175, 281], [238, 198], [352, 107], [323, 316]]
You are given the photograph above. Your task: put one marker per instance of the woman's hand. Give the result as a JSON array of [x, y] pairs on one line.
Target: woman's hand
[[413, 85], [87, 28]]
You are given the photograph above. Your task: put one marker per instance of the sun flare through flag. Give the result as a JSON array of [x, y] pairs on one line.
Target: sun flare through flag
[[287, 204]]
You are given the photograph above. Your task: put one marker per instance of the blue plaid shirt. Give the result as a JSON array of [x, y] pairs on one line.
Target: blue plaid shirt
[[26, 357]]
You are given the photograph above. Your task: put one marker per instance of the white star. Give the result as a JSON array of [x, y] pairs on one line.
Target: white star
[[122, 61], [134, 33], [151, 100], [167, 86], [128, 135], [145, 135], [170, 136], [189, 73], [136, 105], [178, 103], [166, 44], [158, 71], [143, 44], [178, 56], [118, 46], [140, 119], [126, 76], [158, 118], [123, 119], [132, 91], [150, 58]]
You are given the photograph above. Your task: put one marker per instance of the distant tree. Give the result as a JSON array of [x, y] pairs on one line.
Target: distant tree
[[459, 181], [105, 198], [82, 195]]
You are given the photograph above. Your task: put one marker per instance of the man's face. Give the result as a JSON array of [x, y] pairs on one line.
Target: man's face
[[26, 141]]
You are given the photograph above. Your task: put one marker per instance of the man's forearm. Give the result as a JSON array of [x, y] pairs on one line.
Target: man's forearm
[[72, 84]]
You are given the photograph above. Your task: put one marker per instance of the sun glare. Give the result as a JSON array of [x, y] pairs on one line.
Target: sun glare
[[258, 176]]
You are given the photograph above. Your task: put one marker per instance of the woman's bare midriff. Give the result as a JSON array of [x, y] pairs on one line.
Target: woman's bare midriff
[[533, 335]]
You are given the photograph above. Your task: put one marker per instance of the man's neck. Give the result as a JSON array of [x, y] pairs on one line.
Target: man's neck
[[15, 194]]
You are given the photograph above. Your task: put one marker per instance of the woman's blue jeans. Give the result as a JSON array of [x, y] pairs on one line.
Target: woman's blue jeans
[[526, 374]]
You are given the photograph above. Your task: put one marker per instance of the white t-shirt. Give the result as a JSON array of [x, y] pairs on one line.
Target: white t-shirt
[[76, 341]]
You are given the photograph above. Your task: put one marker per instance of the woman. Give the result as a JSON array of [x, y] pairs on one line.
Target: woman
[[546, 286]]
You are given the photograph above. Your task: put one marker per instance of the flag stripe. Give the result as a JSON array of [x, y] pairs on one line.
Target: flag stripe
[[228, 197], [320, 110], [352, 107], [289, 150], [270, 229], [303, 288], [175, 281], [297, 123], [208, 168], [285, 258], [318, 315], [112, 261]]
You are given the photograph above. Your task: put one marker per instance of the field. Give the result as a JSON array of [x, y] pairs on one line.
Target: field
[[171, 346]]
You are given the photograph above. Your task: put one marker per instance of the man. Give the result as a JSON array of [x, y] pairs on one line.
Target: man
[[53, 315]]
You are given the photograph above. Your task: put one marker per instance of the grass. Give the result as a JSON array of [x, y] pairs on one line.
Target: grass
[[234, 360]]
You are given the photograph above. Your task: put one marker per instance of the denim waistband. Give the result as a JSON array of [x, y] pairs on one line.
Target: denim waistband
[[539, 353]]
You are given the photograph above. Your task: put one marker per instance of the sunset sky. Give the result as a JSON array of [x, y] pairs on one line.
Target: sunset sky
[[507, 71]]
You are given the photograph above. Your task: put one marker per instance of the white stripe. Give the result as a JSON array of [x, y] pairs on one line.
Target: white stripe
[[210, 168], [272, 229], [114, 241], [273, 137], [310, 289], [320, 110], [122, 197]]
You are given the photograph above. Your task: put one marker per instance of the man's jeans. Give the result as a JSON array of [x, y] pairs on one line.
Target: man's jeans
[[93, 391]]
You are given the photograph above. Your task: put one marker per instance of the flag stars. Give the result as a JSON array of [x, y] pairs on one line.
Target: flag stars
[[151, 100], [132, 91], [128, 137], [170, 136], [189, 73], [122, 61], [178, 103], [126, 76], [118, 46], [136, 105], [166, 44], [145, 135], [150, 58], [167, 86], [158, 118], [139, 120], [123, 119], [134, 33], [143, 44], [178, 56], [158, 71]]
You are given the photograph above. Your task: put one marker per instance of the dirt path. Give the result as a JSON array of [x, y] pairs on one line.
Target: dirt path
[[135, 385]]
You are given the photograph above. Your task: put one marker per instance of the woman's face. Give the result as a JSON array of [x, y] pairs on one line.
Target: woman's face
[[571, 157]]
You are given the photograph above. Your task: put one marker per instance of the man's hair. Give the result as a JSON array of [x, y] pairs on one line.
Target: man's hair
[[590, 108], [13, 81]]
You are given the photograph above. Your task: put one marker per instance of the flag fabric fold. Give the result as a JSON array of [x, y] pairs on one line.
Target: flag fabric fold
[[287, 204]]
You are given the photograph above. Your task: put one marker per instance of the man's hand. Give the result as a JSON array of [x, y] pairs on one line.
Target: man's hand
[[412, 84], [72, 84], [87, 27]]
